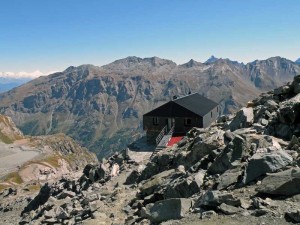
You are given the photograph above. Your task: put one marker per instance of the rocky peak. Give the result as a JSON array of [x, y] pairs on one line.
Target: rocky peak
[[133, 61], [211, 59], [275, 61], [191, 63], [83, 67]]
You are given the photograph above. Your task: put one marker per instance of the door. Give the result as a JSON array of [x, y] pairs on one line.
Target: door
[[171, 122]]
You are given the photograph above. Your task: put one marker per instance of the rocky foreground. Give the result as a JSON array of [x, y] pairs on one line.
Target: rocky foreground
[[244, 169]]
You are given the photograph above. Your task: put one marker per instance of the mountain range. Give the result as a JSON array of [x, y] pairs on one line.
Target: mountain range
[[102, 107]]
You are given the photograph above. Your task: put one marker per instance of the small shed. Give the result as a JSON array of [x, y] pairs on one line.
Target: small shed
[[180, 115]]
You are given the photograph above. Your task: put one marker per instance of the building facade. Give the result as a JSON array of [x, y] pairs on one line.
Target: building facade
[[180, 115]]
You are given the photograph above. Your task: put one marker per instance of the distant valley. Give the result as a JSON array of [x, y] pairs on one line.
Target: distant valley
[[102, 107], [7, 84]]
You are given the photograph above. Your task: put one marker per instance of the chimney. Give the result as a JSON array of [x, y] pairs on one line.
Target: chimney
[[174, 97]]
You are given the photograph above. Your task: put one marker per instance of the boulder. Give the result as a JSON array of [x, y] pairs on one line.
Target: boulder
[[289, 110], [296, 84], [228, 178], [284, 183], [231, 156], [115, 170], [294, 141], [184, 187], [216, 198], [244, 118], [261, 163], [169, 209], [203, 144], [294, 215], [208, 214], [271, 105], [282, 90], [155, 182], [66, 193], [228, 209]]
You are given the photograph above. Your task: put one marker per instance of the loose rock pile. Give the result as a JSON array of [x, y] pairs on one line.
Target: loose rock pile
[[72, 201], [244, 165]]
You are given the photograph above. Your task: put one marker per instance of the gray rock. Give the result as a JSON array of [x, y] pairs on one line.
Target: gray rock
[[294, 215], [261, 212], [294, 141], [155, 182], [184, 187], [61, 213], [51, 221], [228, 178], [289, 110], [49, 214], [244, 118], [208, 214], [296, 84], [95, 205], [216, 198], [99, 215], [169, 209], [271, 105], [230, 156], [285, 183], [228, 209], [204, 143], [262, 163], [65, 194], [282, 90], [264, 122]]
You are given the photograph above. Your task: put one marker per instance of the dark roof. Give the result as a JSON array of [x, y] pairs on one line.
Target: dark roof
[[191, 105]]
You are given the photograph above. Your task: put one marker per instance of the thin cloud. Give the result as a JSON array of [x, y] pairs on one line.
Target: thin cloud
[[29, 75]]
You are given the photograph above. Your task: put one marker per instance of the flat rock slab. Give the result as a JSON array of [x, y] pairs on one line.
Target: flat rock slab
[[169, 209], [285, 183]]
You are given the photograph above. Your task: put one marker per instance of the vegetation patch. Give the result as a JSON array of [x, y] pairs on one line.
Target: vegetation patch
[[33, 187], [52, 160], [13, 177], [3, 187], [5, 139]]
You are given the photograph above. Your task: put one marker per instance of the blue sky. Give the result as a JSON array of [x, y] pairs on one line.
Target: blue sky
[[51, 35]]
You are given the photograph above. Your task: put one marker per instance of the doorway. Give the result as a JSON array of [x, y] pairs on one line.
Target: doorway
[[171, 122]]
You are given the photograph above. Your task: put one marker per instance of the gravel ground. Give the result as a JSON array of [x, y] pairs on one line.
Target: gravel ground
[[12, 156]]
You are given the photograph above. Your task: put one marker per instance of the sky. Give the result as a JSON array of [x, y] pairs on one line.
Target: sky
[[51, 35]]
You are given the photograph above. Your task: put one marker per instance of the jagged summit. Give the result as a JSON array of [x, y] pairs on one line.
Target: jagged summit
[[133, 61], [212, 59], [191, 63], [81, 67]]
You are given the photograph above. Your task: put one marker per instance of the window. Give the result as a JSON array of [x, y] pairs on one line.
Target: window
[[187, 122], [211, 114], [155, 121]]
